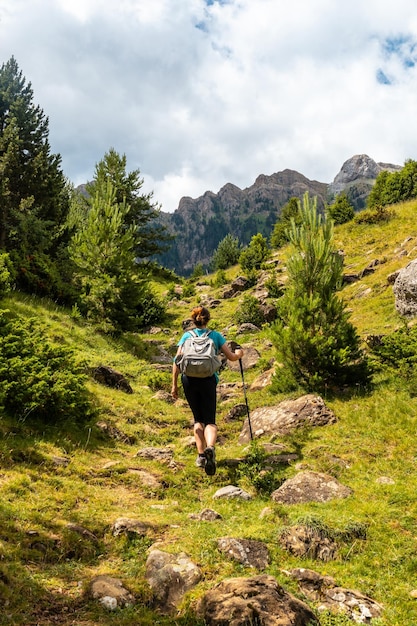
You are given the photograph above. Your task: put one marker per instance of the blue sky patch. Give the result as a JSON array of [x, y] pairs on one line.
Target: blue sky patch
[[404, 47], [382, 78]]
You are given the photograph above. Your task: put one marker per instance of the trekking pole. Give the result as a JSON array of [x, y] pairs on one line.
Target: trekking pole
[[246, 400]]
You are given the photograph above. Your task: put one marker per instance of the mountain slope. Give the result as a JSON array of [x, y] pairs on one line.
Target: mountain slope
[[59, 480]]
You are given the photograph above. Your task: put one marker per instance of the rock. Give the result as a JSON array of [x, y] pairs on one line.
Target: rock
[[359, 607], [110, 592], [164, 455], [164, 396], [206, 515], [236, 412], [241, 283], [405, 290], [232, 492], [131, 527], [247, 327], [147, 479], [250, 359], [370, 268], [305, 541], [282, 419], [246, 551], [114, 433], [170, 576], [348, 279], [263, 380], [106, 375], [310, 486], [269, 312], [391, 278], [256, 600], [83, 532]]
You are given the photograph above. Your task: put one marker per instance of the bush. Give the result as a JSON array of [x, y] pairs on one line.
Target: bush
[[5, 274], [220, 279], [275, 289], [188, 291], [250, 312], [38, 378], [374, 216]]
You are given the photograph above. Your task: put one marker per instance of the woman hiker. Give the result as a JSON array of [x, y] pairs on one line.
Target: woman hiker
[[201, 392]]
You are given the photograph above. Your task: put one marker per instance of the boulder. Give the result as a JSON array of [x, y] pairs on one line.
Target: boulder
[[282, 419], [230, 491], [309, 542], [310, 486], [357, 606], [256, 600], [405, 290], [248, 552], [106, 375], [110, 592], [170, 576]]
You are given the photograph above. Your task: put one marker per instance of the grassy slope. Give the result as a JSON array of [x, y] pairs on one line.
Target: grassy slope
[[45, 574]]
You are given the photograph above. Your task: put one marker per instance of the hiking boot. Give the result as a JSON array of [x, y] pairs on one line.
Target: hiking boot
[[210, 467], [201, 460]]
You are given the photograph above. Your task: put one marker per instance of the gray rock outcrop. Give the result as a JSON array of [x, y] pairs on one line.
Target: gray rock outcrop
[[405, 290], [170, 576]]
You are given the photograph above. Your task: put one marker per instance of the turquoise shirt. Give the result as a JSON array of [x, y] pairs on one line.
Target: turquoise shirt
[[218, 338]]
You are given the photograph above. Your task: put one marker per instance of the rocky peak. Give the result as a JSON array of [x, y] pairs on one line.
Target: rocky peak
[[359, 168]]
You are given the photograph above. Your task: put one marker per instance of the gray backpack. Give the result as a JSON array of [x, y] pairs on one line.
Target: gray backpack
[[198, 358]]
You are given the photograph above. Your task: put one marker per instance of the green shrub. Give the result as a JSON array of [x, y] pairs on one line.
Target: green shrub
[[250, 312], [188, 291], [374, 216], [5, 274], [38, 378], [220, 279], [275, 289]]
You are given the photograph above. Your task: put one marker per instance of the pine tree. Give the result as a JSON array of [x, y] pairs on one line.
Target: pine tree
[[227, 253], [289, 211], [114, 291], [341, 211], [142, 213], [317, 344], [34, 197]]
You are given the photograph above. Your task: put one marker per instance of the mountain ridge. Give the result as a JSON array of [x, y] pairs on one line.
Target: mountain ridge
[[199, 224]]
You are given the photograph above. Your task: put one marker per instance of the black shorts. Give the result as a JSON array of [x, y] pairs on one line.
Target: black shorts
[[201, 396]]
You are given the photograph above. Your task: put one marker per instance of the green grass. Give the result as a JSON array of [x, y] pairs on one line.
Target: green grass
[[45, 568]]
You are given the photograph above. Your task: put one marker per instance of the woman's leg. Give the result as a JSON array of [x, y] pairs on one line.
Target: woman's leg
[[199, 436]]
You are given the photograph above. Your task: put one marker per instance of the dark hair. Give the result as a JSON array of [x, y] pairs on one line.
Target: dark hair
[[200, 315]]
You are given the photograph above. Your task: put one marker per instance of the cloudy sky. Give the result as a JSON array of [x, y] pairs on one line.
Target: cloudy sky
[[198, 93]]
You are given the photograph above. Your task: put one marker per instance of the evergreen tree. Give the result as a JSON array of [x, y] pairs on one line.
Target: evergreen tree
[[114, 290], [151, 238], [316, 342], [252, 257], [341, 211], [227, 253], [34, 198], [393, 187], [290, 211]]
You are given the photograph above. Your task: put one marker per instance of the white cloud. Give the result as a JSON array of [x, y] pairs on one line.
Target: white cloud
[[199, 93]]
